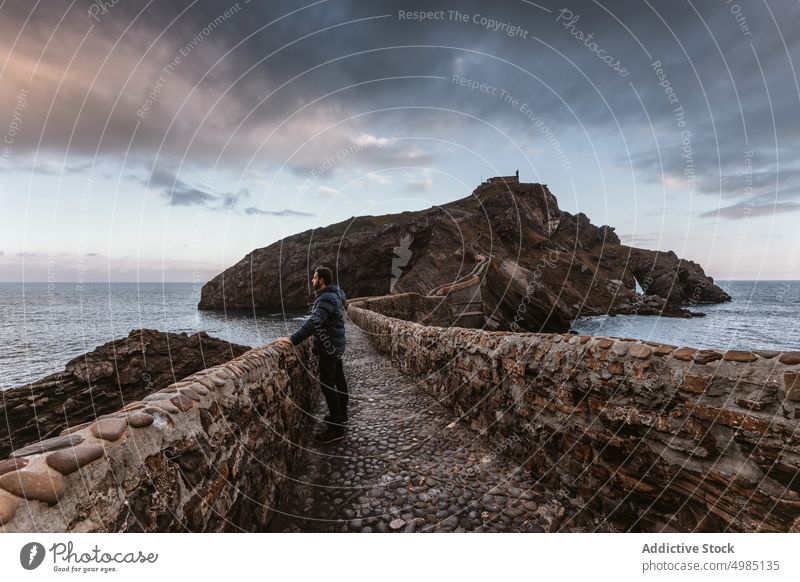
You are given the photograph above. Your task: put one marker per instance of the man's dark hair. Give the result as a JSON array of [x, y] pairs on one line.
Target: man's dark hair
[[325, 274]]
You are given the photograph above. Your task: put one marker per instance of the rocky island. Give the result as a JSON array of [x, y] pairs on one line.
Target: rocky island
[[104, 380], [527, 265]]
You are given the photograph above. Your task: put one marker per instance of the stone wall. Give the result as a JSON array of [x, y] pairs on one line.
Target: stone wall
[[652, 437], [422, 309], [208, 453]]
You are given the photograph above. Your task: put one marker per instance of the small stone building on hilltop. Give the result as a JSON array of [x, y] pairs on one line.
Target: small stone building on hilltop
[[503, 179]]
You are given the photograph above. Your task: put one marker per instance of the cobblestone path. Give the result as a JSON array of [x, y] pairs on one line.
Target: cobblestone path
[[407, 464]]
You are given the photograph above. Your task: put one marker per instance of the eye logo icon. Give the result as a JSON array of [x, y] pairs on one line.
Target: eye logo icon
[[31, 555]]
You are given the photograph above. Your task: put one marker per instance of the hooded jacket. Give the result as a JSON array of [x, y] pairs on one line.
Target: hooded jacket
[[326, 323]]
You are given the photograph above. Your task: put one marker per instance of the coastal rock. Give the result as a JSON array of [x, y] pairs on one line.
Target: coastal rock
[[676, 280], [103, 380], [513, 257]]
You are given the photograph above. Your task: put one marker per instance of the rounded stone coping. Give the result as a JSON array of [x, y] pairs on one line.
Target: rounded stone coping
[[39, 471], [617, 344], [780, 370]]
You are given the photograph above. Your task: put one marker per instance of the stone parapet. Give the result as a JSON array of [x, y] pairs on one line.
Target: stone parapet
[[424, 309], [208, 453], [653, 437]]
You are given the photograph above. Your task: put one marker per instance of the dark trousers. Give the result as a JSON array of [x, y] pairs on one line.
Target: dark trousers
[[334, 387]]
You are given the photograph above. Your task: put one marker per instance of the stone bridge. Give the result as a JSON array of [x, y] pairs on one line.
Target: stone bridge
[[452, 429]]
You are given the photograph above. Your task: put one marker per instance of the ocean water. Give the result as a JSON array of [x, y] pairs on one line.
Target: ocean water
[[762, 315], [43, 326]]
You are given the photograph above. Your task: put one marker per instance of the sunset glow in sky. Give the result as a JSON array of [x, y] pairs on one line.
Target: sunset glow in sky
[[164, 141]]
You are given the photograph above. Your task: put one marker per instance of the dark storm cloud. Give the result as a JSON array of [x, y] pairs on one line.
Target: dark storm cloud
[[49, 168], [254, 85], [176, 192], [182, 196]]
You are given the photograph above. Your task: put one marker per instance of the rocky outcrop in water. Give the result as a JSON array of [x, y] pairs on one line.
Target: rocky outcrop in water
[[544, 266], [105, 380]]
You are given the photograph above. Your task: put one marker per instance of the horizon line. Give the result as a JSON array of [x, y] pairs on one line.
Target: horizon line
[[204, 282]]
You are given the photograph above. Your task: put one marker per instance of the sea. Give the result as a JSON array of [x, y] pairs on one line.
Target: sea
[[44, 325], [762, 315]]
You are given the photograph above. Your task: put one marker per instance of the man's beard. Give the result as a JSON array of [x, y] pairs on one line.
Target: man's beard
[[317, 285]]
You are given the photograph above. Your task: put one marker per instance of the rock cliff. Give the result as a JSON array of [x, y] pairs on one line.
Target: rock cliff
[[105, 380], [544, 266]]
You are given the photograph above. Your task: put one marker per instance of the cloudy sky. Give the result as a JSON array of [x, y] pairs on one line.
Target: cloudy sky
[[164, 140]]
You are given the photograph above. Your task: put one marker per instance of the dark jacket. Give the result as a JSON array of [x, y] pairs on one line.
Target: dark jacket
[[326, 323]]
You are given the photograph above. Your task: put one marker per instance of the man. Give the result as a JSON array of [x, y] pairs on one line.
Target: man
[[326, 324]]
